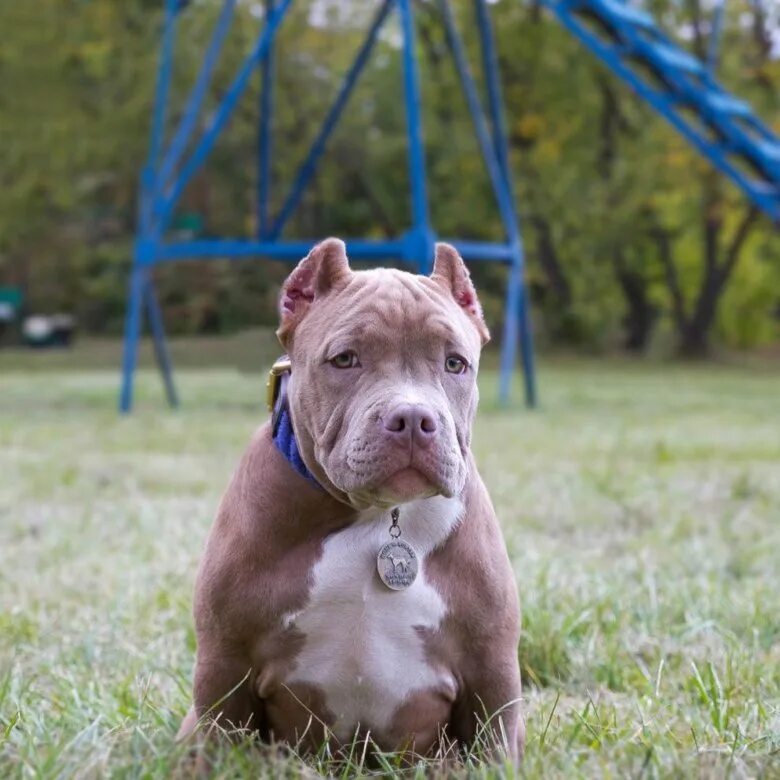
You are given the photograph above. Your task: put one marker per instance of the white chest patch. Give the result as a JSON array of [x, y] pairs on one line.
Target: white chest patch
[[362, 648]]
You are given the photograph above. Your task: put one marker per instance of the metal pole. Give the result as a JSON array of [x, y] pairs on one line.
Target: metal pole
[[132, 334], [517, 303], [489, 154], [511, 329], [264, 138], [228, 105], [133, 315], [160, 347], [163, 82], [159, 112], [420, 218], [197, 95], [517, 316], [493, 85], [309, 165]]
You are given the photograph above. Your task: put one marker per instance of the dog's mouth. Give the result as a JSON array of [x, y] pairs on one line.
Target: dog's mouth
[[408, 484], [387, 476], [411, 482]]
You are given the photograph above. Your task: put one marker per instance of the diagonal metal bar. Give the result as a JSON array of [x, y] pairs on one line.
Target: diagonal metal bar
[[416, 157], [163, 83], [161, 354], [309, 165], [766, 195], [495, 98], [133, 317], [517, 319], [223, 114], [197, 95], [480, 124], [159, 112]]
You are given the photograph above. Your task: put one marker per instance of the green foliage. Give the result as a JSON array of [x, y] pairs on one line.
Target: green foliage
[[749, 309], [598, 175]]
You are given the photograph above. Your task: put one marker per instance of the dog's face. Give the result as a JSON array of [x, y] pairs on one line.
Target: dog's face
[[384, 364]]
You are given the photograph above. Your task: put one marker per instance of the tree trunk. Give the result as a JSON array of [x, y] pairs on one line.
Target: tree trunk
[[694, 327], [694, 337], [641, 314], [693, 8], [551, 266], [693, 341]]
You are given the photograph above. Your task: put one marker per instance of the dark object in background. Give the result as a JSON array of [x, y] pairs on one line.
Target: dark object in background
[[54, 331], [10, 309]]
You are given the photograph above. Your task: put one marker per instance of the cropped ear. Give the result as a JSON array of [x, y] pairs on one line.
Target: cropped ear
[[450, 272], [323, 270]]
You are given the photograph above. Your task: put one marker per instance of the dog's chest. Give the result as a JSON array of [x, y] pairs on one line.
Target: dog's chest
[[364, 645]]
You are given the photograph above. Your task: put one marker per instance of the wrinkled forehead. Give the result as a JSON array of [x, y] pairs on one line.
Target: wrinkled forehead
[[397, 309]]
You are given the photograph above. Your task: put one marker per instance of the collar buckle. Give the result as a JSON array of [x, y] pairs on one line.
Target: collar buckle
[[273, 385]]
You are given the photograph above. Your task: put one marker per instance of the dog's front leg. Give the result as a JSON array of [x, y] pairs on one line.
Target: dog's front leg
[[488, 715], [222, 696], [222, 704]]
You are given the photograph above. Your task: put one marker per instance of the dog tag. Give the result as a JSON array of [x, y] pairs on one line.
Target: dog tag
[[397, 565]]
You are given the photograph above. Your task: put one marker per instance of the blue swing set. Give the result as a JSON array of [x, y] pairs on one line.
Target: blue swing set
[[165, 177], [682, 89]]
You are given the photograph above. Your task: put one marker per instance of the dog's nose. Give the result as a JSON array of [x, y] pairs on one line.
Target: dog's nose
[[411, 421]]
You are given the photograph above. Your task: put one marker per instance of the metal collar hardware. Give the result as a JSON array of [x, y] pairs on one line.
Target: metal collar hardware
[[273, 384]]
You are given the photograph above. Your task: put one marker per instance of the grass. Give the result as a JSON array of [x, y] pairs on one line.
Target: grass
[[641, 507]]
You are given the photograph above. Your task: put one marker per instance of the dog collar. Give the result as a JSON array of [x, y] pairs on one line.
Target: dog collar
[[281, 421]]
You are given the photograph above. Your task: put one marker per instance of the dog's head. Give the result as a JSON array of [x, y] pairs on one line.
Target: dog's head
[[383, 388]]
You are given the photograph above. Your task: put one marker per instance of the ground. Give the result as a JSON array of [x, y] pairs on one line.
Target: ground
[[641, 507]]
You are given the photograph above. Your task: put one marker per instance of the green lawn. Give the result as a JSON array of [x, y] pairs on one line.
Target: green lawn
[[641, 507]]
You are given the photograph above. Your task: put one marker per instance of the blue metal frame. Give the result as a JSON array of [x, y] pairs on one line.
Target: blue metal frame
[[160, 346], [517, 311], [404, 248], [495, 153], [264, 139], [141, 285], [685, 84], [163, 184], [197, 95], [149, 176], [420, 234], [735, 132], [309, 165], [165, 207]]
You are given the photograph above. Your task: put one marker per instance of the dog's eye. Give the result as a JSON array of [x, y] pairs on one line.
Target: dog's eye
[[346, 359], [455, 364]]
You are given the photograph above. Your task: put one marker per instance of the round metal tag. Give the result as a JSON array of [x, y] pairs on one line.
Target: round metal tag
[[397, 565]]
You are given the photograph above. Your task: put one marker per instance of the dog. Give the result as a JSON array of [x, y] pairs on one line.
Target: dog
[[355, 582]]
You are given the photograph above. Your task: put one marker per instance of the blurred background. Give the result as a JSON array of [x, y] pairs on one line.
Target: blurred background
[[634, 243]]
